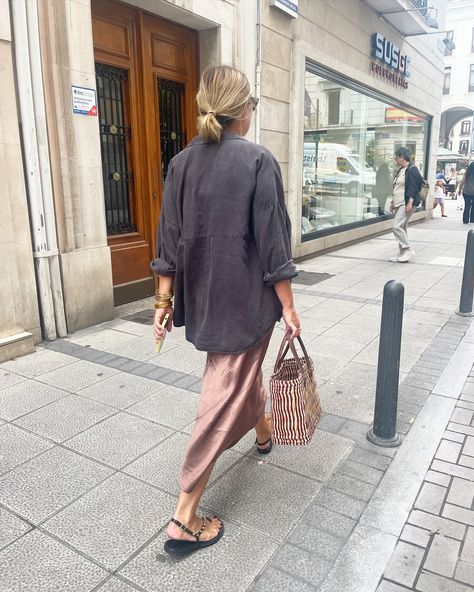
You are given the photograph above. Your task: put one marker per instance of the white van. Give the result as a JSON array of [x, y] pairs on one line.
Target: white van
[[336, 167]]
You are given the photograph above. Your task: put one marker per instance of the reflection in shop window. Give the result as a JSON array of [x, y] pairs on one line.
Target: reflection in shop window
[[348, 154]]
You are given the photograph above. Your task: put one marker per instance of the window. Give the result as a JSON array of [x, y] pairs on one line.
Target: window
[[449, 145], [463, 146], [449, 35], [348, 166], [465, 128], [447, 80], [471, 78], [334, 99]]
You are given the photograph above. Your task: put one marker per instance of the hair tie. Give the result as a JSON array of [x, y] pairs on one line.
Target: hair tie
[[213, 112]]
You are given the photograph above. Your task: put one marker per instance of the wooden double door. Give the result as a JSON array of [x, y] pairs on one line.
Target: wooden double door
[[146, 83]]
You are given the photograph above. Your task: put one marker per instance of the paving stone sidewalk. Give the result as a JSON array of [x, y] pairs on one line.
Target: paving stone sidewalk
[[435, 551], [93, 428]]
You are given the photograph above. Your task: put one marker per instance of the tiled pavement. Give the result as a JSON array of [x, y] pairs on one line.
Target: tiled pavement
[[436, 548], [92, 430]]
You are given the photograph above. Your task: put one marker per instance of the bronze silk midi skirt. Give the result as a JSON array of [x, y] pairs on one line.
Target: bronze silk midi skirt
[[231, 402]]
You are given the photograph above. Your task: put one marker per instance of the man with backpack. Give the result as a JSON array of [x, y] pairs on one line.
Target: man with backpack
[[407, 184]]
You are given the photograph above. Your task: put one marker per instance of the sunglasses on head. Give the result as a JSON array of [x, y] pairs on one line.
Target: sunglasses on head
[[254, 102]]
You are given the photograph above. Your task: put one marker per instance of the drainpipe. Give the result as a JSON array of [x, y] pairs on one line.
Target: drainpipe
[[37, 167], [258, 70]]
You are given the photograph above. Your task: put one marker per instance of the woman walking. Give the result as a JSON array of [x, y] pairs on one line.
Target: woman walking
[[466, 187], [223, 247]]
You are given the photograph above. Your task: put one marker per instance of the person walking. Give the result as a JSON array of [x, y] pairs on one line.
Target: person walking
[[383, 186], [451, 184], [407, 183], [459, 178], [439, 197], [466, 187], [223, 252]]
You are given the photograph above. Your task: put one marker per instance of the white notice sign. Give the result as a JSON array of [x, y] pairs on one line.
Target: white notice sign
[[288, 6], [84, 101]]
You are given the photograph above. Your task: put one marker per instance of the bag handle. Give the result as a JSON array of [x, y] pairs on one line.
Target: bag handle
[[286, 345]]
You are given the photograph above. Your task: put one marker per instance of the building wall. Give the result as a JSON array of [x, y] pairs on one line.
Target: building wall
[[338, 36], [264, 42], [460, 20], [19, 317]]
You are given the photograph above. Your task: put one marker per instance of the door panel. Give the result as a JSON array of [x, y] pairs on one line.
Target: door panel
[[146, 83], [169, 58]]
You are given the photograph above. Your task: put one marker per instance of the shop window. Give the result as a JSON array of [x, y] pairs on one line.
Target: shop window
[[471, 78], [348, 153], [463, 146], [447, 80], [465, 128], [450, 36]]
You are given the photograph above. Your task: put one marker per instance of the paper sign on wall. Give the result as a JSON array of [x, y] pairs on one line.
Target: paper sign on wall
[[84, 101]]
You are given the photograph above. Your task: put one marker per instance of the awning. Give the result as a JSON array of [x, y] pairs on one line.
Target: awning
[[445, 155]]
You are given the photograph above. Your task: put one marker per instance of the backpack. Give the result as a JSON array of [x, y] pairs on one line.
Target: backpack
[[424, 191], [423, 187]]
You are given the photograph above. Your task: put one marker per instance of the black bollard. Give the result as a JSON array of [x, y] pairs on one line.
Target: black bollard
[[384, 429], [467, 288]]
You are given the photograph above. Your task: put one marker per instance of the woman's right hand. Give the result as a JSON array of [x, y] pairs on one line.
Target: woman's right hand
[[158, 330], [292, 322]]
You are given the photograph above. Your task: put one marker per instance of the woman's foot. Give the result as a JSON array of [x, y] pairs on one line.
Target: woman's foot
[[211, 529], [264, 432]]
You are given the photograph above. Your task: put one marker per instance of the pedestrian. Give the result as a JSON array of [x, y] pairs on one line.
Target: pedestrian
[[440, 175], [439, 197], [223, 246], [466, 187], [407, 183], [383, 187], [459, 178], [451, 184]]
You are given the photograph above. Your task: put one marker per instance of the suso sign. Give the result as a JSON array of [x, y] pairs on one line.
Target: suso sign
[[391, 56]]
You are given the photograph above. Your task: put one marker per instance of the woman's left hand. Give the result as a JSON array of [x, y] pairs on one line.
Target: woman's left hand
[[158, 330]]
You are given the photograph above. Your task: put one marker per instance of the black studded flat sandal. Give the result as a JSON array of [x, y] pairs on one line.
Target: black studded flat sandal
[[180, 547]]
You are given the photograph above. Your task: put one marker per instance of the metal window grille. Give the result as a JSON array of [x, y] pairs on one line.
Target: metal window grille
[[172, 135], [115, 136]]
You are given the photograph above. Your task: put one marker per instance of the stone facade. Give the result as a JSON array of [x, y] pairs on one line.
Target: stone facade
[[266, 43], [19, 317]]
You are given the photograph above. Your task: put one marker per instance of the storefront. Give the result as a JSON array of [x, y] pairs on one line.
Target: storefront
[[350, 135], [101, 96], [358, 90]]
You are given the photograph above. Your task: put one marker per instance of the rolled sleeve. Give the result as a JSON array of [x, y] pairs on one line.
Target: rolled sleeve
[[271, 223], [168, 233]]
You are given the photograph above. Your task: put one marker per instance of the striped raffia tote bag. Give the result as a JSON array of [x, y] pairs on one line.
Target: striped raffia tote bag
[[296, 406]]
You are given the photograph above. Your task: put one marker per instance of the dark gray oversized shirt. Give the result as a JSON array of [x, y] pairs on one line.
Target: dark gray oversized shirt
[[224, 235]]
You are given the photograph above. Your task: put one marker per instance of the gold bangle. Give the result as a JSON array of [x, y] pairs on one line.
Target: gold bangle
[[164, 304], [159, 294]]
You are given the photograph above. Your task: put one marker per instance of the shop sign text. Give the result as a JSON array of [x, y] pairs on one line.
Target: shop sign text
[[394, 66]]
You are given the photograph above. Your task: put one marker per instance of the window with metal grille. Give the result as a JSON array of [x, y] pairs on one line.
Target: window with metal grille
[[447, 80], [115, 136], [172, 136]]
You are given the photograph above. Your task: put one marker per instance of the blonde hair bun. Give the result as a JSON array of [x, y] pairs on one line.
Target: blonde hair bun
[[222, 97]]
